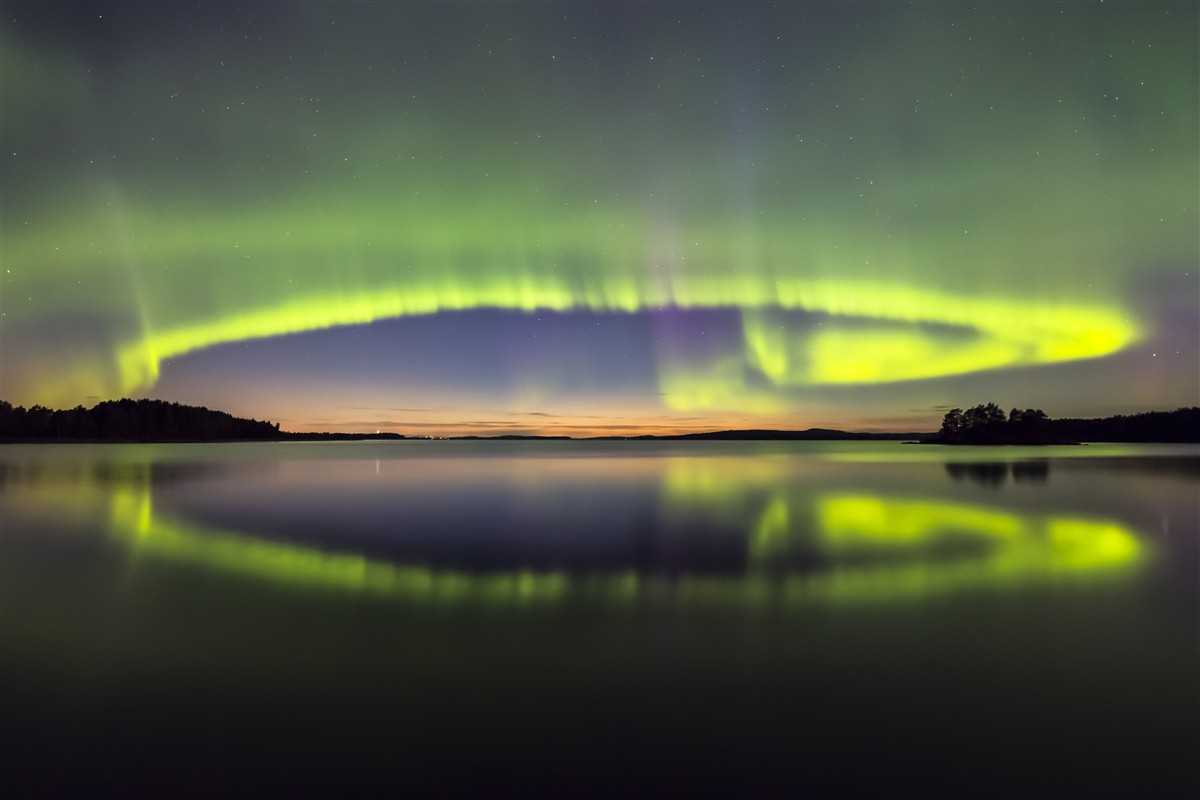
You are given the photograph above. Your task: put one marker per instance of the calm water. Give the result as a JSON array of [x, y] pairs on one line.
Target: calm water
[[734, 619]]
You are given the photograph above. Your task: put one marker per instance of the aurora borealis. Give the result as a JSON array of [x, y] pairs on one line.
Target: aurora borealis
[[588, 218]]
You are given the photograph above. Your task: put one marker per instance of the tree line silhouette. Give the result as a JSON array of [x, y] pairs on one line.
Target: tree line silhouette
[[130, 421], [988, 424]]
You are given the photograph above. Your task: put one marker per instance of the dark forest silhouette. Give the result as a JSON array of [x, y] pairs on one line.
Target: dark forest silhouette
[[149, 421], [130, 421], [988, 424]]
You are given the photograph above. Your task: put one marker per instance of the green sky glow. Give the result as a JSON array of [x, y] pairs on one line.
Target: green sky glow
[[945, 193]]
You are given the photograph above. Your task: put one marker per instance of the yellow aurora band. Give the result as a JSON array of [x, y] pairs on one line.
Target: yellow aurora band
[[1048, 334], [913, 332]]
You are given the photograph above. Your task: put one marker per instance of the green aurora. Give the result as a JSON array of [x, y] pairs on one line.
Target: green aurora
[[883, 194]]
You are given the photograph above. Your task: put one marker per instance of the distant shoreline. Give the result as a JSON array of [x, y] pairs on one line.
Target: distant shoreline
[[812, 435], [160, 422], [714, 436]]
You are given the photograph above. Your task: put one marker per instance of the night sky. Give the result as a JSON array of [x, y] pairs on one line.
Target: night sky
[[601, 218]]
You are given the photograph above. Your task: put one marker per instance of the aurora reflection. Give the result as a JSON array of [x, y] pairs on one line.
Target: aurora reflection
[[874, 547]]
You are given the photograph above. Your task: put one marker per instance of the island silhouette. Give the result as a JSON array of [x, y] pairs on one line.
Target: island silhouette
[[987, 424]]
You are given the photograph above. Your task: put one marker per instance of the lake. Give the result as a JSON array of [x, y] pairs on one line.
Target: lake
[[599, 618]]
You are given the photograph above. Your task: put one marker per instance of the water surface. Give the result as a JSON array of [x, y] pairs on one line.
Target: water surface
[[600, 617]]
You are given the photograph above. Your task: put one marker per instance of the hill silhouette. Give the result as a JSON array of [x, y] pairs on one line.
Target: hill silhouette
[[130, 421]]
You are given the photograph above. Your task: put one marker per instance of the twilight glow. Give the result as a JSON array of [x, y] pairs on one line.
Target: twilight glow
[[718, 214]]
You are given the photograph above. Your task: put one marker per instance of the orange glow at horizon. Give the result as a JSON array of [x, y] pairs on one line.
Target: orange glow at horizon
[[450, 423]]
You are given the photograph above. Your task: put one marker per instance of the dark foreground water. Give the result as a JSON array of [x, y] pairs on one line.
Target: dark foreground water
[[617, 618]]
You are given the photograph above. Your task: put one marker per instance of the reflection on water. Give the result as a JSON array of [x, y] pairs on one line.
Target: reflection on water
[[989, 473], [737, 529], [696, 618]]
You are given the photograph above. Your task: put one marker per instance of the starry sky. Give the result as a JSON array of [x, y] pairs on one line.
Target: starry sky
[[594, 218]]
